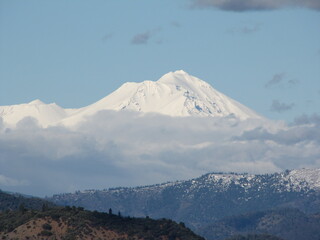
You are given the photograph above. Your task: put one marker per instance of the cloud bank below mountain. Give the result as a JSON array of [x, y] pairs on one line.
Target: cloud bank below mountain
[[127, 149]]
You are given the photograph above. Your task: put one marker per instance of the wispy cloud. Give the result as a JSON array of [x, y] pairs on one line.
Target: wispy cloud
[[255, 5], [279, 80], [175, 24], [293, 82], [143, 38], [280, 107], [107, 37], [248, 29], [276, 79]]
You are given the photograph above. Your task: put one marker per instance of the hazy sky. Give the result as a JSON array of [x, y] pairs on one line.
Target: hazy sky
[[265, 54]]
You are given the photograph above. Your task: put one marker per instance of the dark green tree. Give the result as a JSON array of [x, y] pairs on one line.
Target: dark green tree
[[22, 209], [44, 207]]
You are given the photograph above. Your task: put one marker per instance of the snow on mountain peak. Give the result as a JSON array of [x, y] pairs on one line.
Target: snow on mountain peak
[[36, 102], [45, 114], [182, 78], [174, 94], [177, 94], [175, 74]]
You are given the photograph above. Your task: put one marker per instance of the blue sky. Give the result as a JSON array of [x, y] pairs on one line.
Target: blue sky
[[76, 52]]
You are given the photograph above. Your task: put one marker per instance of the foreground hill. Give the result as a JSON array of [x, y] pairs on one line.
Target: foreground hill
[[76, 223], [208, 198]]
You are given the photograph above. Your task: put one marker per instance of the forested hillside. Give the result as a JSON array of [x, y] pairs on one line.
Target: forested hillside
[[14, 201], [77, 223]]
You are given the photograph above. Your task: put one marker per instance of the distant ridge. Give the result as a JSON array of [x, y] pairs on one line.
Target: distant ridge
[[10, 201], [176, 94], [208, 198]]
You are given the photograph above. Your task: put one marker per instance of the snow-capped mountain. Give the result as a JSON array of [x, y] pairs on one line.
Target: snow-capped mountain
[[175, 94], [45, 114], [210, 197]]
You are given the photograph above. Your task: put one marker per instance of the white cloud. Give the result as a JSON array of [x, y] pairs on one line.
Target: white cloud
[[127, 149]]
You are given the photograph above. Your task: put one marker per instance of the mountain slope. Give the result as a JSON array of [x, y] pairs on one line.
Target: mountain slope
[[289, 224], [14, 201], [176, 94], [207, 198]]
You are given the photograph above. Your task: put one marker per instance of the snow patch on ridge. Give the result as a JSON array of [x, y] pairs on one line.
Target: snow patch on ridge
[[308, 177], [288, 181], [300, 180]]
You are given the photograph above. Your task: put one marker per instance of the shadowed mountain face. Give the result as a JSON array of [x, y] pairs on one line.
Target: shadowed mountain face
[[14, 201], [207, 199], [289, 224]]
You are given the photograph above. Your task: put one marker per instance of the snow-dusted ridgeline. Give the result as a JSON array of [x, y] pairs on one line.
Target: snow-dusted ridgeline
[[207, 198], [291, 181]]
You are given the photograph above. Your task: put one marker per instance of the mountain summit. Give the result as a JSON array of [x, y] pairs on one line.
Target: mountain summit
[[176, 94]]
